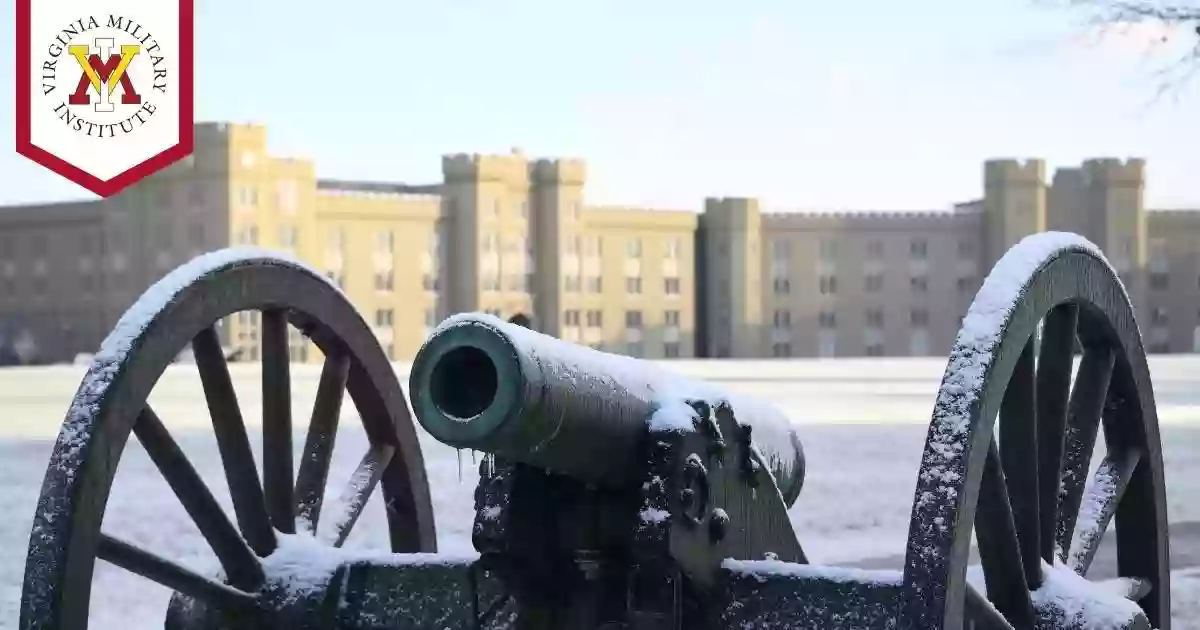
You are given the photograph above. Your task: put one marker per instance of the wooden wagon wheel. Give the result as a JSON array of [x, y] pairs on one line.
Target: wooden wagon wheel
[[1025, 497], [179, 310]]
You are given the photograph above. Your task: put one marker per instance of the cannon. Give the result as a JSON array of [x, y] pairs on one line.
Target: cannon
[[614, 495]]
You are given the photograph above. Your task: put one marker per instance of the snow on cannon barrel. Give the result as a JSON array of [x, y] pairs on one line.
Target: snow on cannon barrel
[[483, 384]]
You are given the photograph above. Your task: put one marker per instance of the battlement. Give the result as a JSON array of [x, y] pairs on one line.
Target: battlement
[[1010, 170], [551, 172], [871, 219], [365, 189], [512, 168], [731, 213], [1115, 170]]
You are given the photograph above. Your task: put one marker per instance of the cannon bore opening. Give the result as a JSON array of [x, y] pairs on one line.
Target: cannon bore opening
[[463, 383]]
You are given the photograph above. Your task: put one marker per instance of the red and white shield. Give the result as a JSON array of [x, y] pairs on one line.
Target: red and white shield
[[104, 88]]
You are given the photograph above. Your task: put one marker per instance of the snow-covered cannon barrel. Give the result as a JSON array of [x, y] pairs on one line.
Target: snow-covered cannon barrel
[[483, 384], [687, 527]]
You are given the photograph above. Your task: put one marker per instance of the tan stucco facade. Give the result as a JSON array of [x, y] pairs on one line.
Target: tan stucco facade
[[509, 234]]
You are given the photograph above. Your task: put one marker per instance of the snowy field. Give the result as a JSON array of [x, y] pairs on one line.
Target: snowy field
[[863, 425]]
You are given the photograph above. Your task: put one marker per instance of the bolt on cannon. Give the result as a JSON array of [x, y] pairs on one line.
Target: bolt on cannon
[[613, 494]]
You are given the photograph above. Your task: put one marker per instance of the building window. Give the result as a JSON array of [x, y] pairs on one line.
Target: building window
[[1158, 316], [783, 286], [594, 246], [633, 319], [571, 318], [918, 343], [828, 251], [385, 242], [873, 283], [594, 284], [875, 250], [633, 349], [781, 349], [384, 280], [673, 247], [1159, 281], [594, 319], [875, 318], [918, 249], [919, 284], [875, 349], [248, 236], [384, 318], [671, 350], [919, 318], [827, 319], [337, 240], [828, 285], [248, 195], [572, 283], [288, 237], [671, 319], [781, 250], [965, 284], [671, 286], [783, 320], [489, 243], [633, 248], [966, 249], [633, 285]]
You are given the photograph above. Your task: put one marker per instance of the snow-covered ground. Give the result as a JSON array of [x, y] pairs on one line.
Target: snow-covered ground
[[864, 425]]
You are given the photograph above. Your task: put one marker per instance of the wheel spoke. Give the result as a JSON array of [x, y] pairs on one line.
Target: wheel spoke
[[241, 472], [1108, 486], [1019, 454], [362, 484], [1053, 391], [999, 550], [322, 433], [1083, 421], [237, 559], [169, 574], [277, 421]]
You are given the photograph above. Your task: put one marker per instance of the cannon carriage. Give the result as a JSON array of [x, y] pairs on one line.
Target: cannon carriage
[[613, 494]]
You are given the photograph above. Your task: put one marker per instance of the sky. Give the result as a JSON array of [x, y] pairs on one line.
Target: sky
[[870, 104]]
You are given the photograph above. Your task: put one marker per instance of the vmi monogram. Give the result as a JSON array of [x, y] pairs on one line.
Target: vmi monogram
[[102, 97]]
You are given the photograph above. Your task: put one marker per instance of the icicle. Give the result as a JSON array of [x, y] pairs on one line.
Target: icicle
[[459, 453], [473, 454]]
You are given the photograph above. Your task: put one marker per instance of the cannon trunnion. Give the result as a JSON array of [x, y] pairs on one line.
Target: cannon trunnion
[[613, 494]]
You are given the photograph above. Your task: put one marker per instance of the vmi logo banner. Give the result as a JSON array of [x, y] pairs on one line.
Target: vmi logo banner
[[104, 88]]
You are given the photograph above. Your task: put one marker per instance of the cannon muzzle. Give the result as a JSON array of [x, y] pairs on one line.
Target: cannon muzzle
[[484, 384]]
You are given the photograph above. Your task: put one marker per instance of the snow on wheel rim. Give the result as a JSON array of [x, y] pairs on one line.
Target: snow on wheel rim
[[1041, 273], [179, 310]]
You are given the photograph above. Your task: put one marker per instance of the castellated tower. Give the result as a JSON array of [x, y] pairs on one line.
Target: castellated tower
[[556, 198], [729, 274], [1014, 204], [485, 206], [1113, 194]]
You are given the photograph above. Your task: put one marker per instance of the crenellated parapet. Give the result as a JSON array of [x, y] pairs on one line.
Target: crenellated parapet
[[463, 167], [1009, 171], [558, 172], [936, 220], [1115, 171]]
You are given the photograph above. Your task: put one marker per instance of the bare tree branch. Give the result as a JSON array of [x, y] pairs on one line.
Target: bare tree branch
[[1179, 19]]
